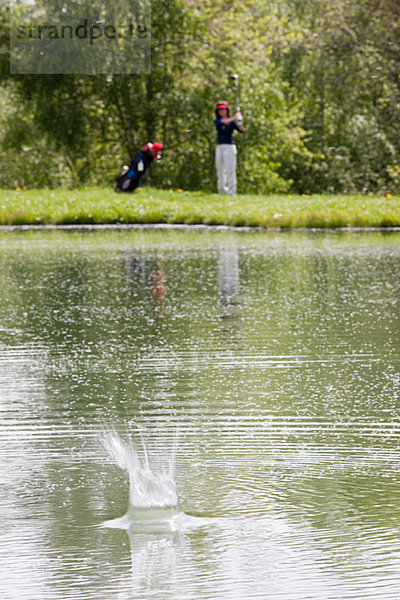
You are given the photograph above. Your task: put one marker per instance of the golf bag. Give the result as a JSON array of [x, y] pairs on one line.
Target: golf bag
[[129, 179]]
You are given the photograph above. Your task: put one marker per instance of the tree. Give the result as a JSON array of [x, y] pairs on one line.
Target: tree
[[346, 83]]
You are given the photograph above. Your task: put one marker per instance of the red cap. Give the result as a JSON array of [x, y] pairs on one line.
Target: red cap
[[222, 105]]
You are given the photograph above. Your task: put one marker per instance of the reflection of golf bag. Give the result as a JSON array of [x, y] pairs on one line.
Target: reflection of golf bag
[[130, 177]]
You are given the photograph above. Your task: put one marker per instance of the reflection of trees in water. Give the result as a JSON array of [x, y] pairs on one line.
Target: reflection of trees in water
[[52, 296]]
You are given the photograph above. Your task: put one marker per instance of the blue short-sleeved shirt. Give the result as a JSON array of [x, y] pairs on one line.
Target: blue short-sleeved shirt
[[225, 131]]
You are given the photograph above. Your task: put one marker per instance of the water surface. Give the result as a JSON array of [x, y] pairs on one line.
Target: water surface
[[265, 364]]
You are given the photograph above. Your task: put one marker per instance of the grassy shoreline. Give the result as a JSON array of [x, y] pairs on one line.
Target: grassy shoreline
[[150, 206]]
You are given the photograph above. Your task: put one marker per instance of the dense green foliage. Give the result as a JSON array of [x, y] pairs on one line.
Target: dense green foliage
[[151, 205], [320, 87]]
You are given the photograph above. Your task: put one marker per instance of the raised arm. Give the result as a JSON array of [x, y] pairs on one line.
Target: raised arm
[[228, 120]]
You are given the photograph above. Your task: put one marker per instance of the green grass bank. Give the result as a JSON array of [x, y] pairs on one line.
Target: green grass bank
[[147, 205]]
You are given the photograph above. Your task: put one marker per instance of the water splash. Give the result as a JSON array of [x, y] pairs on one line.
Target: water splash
[[152, 482], [153, 499]]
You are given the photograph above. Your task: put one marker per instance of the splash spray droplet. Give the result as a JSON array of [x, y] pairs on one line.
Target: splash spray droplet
[[151, 477]]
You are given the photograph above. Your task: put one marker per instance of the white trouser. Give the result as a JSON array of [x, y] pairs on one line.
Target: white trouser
[[225, 163]]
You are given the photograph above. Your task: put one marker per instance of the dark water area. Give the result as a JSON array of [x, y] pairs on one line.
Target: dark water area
[[257, 373]]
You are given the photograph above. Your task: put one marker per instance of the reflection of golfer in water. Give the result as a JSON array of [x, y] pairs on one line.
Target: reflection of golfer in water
[[225, 154], [228, 277]]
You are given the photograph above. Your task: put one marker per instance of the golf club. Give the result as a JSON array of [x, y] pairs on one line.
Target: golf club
[[235, 78]]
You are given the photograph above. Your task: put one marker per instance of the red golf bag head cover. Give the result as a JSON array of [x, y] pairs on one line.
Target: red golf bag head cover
[[153, 149]]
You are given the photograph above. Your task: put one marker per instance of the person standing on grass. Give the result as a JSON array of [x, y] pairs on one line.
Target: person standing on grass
[[225, 154]]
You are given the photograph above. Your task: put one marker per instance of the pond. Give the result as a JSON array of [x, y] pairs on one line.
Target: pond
[[199, 415]]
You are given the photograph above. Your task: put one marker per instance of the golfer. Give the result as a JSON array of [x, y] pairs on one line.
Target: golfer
[[225, 154]]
